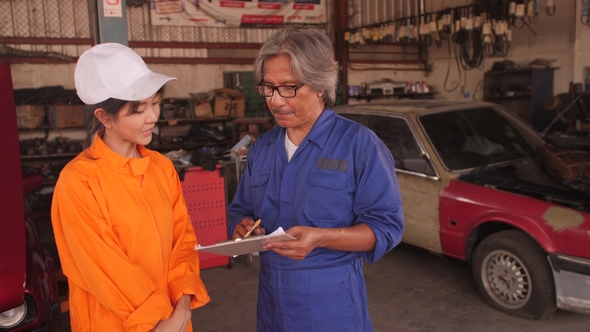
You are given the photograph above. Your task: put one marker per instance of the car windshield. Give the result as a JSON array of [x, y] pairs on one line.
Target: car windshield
[[475, 138]]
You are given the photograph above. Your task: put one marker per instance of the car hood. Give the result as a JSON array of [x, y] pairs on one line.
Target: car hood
[[526, 176]]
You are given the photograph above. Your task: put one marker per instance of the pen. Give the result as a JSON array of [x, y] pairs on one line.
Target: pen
[[256, 223]]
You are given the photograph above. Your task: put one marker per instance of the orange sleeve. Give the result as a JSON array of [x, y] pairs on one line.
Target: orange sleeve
[[87, 243], [184, 272]]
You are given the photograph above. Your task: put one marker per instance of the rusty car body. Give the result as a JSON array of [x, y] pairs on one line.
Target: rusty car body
[[474, 187]]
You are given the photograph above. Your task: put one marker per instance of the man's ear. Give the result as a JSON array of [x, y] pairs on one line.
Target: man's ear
[[104, 117]]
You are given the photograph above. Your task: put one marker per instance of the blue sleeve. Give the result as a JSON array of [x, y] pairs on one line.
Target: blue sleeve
[[378, 200], [241, 204]]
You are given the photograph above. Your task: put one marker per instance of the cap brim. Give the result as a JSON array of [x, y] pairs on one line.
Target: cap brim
[[144, 87]]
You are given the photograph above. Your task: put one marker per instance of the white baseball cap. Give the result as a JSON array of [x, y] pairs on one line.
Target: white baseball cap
[[112, 70]]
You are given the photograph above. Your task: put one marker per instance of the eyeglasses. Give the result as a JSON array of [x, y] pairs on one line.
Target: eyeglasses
[[285, 91]]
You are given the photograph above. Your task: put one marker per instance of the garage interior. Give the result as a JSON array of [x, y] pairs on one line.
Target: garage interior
[[535, 62]]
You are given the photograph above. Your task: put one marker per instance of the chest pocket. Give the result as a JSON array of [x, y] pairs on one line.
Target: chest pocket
[[258, 185], [329, 197]]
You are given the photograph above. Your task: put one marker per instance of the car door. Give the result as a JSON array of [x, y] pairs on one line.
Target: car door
[[419, 183]]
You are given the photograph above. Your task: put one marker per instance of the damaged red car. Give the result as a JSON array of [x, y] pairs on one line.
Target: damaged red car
[[480, 185], [29, 299]]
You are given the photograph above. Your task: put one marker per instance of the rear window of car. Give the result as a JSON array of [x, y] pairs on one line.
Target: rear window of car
[[470, 138], [396, 134]]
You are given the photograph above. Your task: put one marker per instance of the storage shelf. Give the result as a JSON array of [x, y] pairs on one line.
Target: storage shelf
[[47, 127], [192, 120], [530, 86], [186, 145], [368, 97], [48, 156], [508, 97]]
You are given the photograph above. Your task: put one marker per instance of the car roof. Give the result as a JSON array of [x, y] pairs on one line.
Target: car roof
[[410, 106]]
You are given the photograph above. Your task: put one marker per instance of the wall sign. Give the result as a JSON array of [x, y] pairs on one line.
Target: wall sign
[[225, 13], [112, 8]]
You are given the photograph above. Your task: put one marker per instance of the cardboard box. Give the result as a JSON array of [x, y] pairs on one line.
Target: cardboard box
[[27, 111], [62, 116], [29, 122], [30, 116], [202, 109], [229, 103]]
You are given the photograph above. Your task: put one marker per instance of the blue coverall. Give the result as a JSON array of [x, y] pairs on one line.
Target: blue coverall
[[341, 175]]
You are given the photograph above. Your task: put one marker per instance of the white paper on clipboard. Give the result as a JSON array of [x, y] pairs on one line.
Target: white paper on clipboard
[[245, 245]]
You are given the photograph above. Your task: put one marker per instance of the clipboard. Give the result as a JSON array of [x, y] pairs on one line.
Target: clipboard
[[245, 245]]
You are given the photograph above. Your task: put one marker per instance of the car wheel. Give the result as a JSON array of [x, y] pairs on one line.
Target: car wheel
[[513, 275]]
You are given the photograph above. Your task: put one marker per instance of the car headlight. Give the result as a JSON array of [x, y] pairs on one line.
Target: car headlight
[[13, 317]]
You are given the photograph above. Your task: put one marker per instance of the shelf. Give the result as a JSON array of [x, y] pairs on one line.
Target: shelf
[[530, 87], [187, 146], [509, 97], [48, 156], [263, 120], [243, 123], [169, 122], [172, 122], [368, 97], [518, 71], [47, 127]]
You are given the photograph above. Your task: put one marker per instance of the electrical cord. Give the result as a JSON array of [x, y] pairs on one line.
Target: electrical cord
[[478, 88], [449, 70], [494, 18]]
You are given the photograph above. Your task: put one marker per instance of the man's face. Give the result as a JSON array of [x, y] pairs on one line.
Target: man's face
[[299, 112]]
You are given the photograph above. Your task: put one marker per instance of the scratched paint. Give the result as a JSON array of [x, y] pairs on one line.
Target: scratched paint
[[561, 218], [420, 205]]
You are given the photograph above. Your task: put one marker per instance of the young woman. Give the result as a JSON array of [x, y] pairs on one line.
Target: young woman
[[121, 224]]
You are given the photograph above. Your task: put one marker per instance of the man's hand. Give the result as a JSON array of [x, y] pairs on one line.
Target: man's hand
[[245, 226], [357, 238], [180, 318], [307, 239]]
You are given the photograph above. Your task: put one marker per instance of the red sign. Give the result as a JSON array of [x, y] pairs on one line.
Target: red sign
[[273, 6], [234, 13], [262, 19], [232, 4], [303, 6]]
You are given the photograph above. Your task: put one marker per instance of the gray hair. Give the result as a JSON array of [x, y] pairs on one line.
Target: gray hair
[[312, 59]]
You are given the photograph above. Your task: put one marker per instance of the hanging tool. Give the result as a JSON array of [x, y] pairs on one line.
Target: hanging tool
[[551, 8], [433, 28], [425, 33], [533, 9], [411, 30], [585, 12]]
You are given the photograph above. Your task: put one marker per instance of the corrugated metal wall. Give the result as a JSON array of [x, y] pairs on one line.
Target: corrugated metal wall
[[61, 20]]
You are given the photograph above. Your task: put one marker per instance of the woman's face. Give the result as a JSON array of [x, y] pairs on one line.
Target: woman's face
[[129, 129]]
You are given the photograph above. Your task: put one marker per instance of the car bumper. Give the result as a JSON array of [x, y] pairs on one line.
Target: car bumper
[[572, 282]]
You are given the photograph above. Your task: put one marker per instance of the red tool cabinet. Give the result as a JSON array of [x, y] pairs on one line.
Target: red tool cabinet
[[204, 193]]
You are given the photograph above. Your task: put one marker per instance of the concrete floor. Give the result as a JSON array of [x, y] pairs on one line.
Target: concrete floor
[[410, 290]]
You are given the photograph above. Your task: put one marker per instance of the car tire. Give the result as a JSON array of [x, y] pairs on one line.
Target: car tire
[[513, 275]]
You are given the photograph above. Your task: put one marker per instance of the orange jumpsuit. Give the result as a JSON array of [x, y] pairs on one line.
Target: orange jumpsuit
[[125, 240]]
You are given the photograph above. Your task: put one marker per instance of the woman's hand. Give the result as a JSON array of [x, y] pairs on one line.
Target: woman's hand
[[180, 318]]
